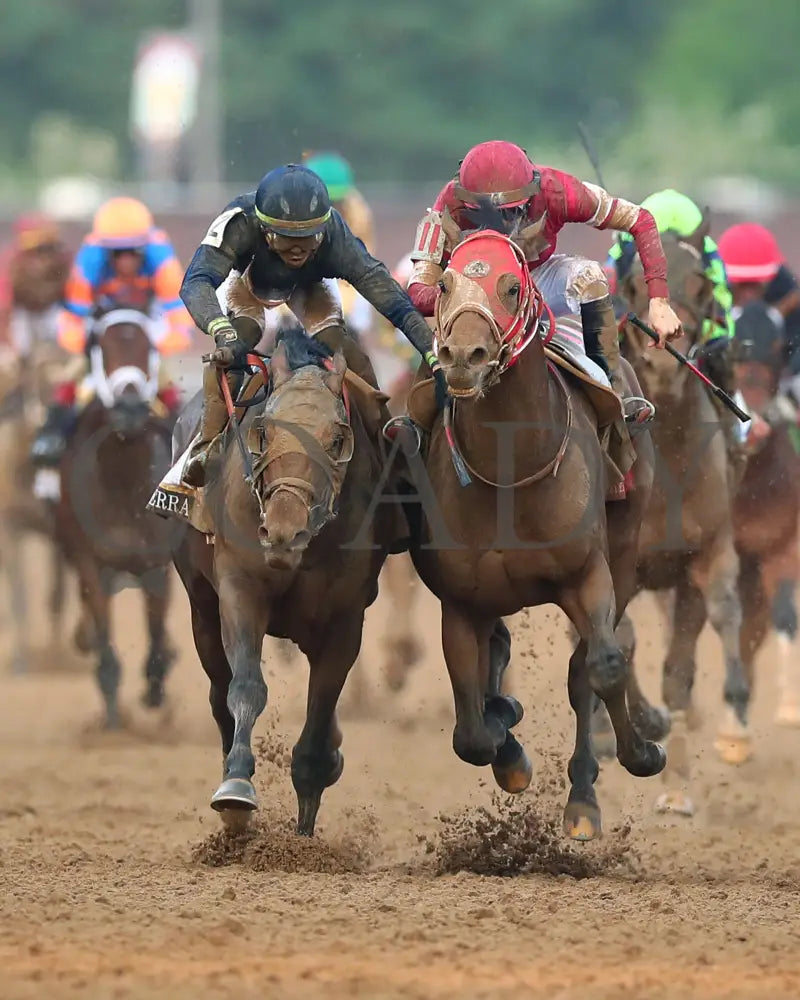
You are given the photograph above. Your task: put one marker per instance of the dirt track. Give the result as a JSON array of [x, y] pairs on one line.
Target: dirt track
[[102, 898]]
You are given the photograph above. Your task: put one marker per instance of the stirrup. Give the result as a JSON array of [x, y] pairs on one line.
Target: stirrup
[[638, 412], [396, 424]]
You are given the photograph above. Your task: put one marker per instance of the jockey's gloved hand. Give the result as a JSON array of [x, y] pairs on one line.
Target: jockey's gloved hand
[[231, 352], [439, 381]]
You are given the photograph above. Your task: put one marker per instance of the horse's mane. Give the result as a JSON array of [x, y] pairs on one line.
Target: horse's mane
[[302, 350]]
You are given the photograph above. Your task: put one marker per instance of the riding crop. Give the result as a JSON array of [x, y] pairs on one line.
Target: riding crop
[[683, 360]]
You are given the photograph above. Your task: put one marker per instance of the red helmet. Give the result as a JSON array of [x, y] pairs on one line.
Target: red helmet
[[750, 253], [35, 230], [499, 169]]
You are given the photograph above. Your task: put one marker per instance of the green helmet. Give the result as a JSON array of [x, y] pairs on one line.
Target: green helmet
[[673, 210], [335, 171]]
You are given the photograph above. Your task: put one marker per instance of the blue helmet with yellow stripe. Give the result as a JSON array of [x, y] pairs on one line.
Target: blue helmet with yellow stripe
[[292, 201]]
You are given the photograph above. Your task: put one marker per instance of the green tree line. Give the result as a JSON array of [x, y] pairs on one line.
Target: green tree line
[[404, 88]]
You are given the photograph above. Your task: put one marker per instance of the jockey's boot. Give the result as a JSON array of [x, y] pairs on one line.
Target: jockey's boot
[[215, 413], [601, 338], [51, 439], [597, 319]]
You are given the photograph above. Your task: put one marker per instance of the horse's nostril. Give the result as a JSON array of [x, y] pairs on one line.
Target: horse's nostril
[[445, 356], [301, 540], [478, 356]]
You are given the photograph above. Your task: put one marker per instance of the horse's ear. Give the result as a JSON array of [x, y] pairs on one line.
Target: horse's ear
[[335, 377], [530, 240], [452, 231], [279, 366]]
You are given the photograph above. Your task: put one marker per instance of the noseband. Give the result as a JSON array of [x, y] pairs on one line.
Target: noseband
[[107, 386], [290, 439], [475, 267]]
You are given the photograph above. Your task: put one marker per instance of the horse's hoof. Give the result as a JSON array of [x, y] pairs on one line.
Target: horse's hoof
[[236, 820], [675, 803], [653, 724], [337, 769], [582, 821], [652, 762], [506, 708], [733, 749], [512, 768], [788, 714], [235, 793], [153, 696], [113, 720], [307, 809]]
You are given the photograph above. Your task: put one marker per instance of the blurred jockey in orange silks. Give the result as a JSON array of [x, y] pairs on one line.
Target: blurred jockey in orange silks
[[124, 262]]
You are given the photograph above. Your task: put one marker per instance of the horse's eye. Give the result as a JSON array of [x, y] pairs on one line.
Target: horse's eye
[[442, 286], [515, 289]]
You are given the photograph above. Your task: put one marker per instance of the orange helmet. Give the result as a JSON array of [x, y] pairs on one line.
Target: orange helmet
[[122, 224], [35, 230]]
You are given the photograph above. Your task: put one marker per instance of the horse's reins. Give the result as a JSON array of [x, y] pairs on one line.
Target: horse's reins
[[552, 466], [257, 361], [289, 484]]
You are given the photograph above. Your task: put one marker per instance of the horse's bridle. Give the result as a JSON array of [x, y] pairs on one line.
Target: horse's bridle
[[532, 316], [105, 385], [295, 440]]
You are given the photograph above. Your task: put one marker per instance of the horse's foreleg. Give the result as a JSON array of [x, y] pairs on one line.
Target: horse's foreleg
[[55, 604], [512, 767], [160, 655], [678, 672], [481, 723], [16, 580], [582, 813], [716, 573], [97, 600], [779, 575], [317, 761], [677, 682], [590, 605], [207, 633], [243, 615]]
